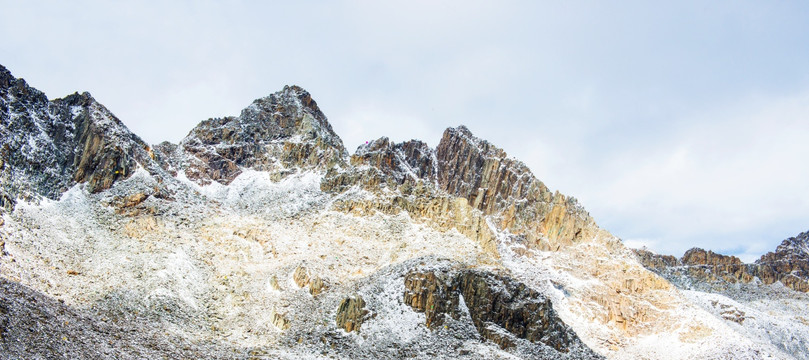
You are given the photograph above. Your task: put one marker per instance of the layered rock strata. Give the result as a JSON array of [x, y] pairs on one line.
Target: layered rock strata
[[789, 265]]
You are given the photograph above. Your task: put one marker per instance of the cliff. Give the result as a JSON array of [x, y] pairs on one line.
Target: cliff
[[789, 265], [47, 146]]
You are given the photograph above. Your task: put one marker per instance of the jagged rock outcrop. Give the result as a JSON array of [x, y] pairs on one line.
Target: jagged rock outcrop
[[468, 179], [471, 168], [789, 264], [36, 147], [425, 292], [380, 162], [282, 133], [105, 149], [279, 320], [351, 313], [654, 261], [501, 309], [47, 146], [301, 276], [710, 266], [273, 283], [317, 286]]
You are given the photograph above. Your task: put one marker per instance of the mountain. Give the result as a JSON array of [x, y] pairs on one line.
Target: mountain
[[47, 146], [788, 265], [259, 236]]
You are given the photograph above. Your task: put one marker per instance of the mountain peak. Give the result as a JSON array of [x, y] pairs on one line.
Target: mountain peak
[[281, 133], [78, 99], [18, 89], [5, 77], [48, 146], [797, 245]]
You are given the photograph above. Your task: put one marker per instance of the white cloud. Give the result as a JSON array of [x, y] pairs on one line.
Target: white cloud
[[723, 178]]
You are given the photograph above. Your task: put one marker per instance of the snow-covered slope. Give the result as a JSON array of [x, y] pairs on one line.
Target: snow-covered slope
[[257, 236]]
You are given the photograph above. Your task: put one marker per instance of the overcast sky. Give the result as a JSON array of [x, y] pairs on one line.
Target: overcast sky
[[676, 125]]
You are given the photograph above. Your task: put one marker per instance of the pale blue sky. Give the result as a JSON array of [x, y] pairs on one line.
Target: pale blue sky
[[676, 124]]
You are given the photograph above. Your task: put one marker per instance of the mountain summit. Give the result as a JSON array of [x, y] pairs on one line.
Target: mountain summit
[[258, 236], [47, 146]]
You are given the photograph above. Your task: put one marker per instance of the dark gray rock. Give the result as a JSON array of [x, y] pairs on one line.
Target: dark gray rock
[[48, 146], [281, 133], [501, 309]]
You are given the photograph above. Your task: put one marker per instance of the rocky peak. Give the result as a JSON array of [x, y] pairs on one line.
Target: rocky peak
[[16, 94], [789, 264], [47, 146], [797, 246], [282, 133], [5, 77], [474, 169], [290, 112], [104, 150], [496, 184]]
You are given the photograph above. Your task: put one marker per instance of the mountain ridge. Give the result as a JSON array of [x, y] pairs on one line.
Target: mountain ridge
[[788, 264], [260, 232]]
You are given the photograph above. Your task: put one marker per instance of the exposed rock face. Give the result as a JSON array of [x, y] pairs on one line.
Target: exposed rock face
[[697, 256], [280, 133], [301, 276], [514, 307], [492, 182], [487, 182], [708, 265], [47, 146], [426, 293], [500, 308], [273, 283], [655, 261], [279, 320], [317, 286], [405, 162], [351, 313], [789, 264], [105, 150], [36, 147]]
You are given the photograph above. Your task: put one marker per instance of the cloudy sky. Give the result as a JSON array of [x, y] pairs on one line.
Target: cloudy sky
[[676, 125]]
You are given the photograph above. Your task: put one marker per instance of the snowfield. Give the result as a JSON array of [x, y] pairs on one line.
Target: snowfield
[[210, 274]]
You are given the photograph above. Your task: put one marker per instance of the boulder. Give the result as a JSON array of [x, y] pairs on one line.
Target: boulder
[[351, 313]]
